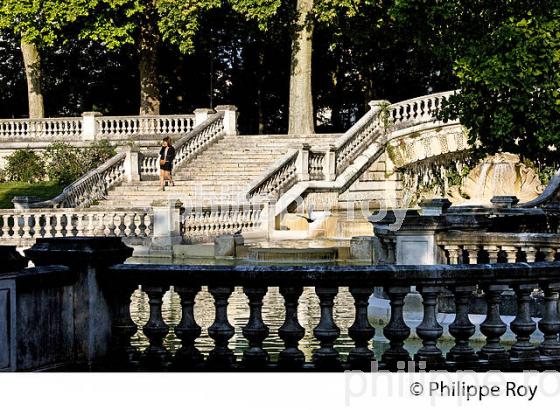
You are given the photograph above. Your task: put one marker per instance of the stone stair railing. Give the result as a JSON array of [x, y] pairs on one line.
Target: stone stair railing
[[337, 167], [130, 165], [23, 226], [209, 131], [90, 187]]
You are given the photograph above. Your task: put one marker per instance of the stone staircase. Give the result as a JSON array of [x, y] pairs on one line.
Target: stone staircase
[[221, 174]]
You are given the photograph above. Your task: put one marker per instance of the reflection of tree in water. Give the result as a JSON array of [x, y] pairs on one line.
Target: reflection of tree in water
[[238, 315]]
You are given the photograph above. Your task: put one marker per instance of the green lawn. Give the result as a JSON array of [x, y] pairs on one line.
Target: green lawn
[[43, 190]]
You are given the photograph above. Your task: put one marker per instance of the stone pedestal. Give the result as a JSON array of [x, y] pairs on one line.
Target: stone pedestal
[[167, 225], [226, 245], [89, 125], [88, 258], [132, 164], [230, 118], [362, 248]]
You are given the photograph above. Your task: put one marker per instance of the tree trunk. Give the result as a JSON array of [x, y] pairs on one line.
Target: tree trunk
[[301, 116], [32, 64], [149, 84]]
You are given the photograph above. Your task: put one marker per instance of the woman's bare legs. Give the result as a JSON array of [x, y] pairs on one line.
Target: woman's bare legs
[[162, 180]]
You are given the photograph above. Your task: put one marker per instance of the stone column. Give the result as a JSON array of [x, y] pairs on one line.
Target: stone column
[[88, 258], [377, 105], [268, 216], [302, 164], [329, 166], [89, 125], [201, 115], [131, 164], [230, 118], [167, 225]]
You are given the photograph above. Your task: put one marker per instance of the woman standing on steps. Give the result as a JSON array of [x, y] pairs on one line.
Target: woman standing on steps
[[166, 156]]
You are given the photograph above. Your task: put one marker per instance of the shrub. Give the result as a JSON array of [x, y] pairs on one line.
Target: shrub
[[64, 163], [97, 153], [24, 165]]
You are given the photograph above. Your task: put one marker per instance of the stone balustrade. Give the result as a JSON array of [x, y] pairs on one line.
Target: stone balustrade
[[23, 227], [205, 224], [105, 337], [47, 128], [335, 168], [498, 247], [93, 125]]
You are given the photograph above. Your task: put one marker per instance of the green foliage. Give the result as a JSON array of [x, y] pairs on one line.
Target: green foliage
[[510, 88], [24, 165], [41, 22], [65, 163], [179, 20], [97, 153]]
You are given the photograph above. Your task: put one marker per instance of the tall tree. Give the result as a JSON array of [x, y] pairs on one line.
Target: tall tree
[[38, 24]]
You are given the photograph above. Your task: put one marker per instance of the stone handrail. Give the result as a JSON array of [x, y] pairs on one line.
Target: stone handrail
[[110, 127], [417, 111], [189, 145], [23, 226], [90, 187], [204, 224], [50, 128], [280, 174]]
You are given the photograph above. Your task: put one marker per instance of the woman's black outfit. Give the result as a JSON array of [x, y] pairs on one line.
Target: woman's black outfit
[[168, 165]]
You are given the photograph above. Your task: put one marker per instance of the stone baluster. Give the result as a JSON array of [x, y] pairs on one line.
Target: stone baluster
[[429, 329], [550, 322], [291, 332], [472, 253], [396, 330], [454, 254], [549, 254], [462, 328], [156, 355], [493, 327], [122, 354], [80, 227], [187, 330], [530, 253], [58, 227], [221, 330], [361, 331], [523, 325], [26, 226], [492, 252], [326, 357], [511, 253], [255, 331], [5, 226]]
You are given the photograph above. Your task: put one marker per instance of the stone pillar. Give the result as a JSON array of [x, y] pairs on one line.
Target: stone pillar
[[167, 225], [132, 164], [268, 216], [201, 115], [302, 164], [89, 125], [377, 105], [88, 258], [230, 118], [329, 166]]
